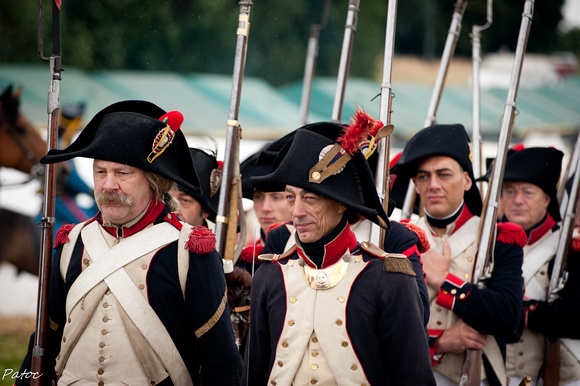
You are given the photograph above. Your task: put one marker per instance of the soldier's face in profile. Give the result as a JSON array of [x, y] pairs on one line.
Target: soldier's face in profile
[[314, 216], [122, 192], [524, 203], [441, 183]]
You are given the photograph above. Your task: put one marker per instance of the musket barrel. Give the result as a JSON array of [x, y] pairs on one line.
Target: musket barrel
[[449, 49], [567, 229], [38, 362], [382, 168], [345, 56], [487, 229], [431, 118], [310, 65], [476, 137], [226, 218]]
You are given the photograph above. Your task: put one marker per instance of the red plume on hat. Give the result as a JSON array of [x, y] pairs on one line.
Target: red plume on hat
[[173, 119], [357, 133]]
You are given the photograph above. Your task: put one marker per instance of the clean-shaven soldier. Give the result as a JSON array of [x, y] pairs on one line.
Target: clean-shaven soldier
[[463, 316]]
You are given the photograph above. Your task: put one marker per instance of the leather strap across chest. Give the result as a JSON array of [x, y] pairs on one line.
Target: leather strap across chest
[[108, 266]]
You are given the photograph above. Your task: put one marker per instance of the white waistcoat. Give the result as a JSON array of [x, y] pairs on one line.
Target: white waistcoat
[[314, 343]]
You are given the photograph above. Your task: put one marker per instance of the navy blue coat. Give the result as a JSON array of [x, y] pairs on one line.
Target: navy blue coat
[[398, 239], [384, 320], [213, 356]]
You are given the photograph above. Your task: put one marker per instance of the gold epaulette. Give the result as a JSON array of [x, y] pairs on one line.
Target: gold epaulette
[[275, 257], [394, 262]]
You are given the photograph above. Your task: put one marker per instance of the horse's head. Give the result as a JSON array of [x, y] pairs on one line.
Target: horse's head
[[21, 144]]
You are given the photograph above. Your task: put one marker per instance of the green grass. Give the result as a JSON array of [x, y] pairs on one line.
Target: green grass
[[14, 336]]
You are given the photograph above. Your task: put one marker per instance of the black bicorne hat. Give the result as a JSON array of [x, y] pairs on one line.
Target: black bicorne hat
[[442, 140], [301, 162], [131, 133], [251, 168], [540, 166], [210, 178]]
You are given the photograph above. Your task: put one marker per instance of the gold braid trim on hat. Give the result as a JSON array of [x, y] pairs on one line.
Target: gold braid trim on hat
[[214, 319]]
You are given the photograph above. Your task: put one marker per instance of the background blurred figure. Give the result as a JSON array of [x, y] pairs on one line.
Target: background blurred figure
[[196, 209]]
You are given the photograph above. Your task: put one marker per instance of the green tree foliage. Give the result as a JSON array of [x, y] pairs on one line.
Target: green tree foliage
[[199, 36]]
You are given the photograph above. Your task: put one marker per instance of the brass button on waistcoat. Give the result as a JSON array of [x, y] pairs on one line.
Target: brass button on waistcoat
[[141, 286], [284, 344], [102, 344], [344, 343], [103, 332], [100, 371]]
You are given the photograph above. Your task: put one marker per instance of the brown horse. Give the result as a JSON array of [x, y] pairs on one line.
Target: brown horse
[[21, 148], [21, 144]]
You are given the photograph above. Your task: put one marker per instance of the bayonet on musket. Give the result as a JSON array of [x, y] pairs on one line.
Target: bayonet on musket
[[39, 350], [346, 53], [431, 119], [230, 199], [377, 234], [483, 266], [476, 138], [310, 65]]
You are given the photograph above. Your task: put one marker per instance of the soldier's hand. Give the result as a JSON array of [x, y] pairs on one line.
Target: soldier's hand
[[459, 338], [436, 265]]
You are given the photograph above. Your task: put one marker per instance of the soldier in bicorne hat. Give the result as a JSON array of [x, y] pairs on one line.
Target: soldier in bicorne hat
[[197, 208], [136, 296], [438, 159], [529, 198], [330, 309], [398, 238], [270, 208]]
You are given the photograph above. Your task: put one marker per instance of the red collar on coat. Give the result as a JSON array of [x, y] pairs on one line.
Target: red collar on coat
[[333, 250]]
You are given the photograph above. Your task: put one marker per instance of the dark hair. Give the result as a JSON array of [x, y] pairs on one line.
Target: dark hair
[[351, 216]]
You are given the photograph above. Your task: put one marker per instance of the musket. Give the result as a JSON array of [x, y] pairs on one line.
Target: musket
[[448, 51], [569, 174], [39, 350], [377, 234], [476, 138], [483, 266], [345, 56], [310, 65], [550, 370], [230, 198]]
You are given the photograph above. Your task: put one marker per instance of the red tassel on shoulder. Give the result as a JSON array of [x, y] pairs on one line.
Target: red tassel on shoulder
[[201, 241], [575, 246], [424, 244], [61, 237], [510, 233], [250, 254]]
